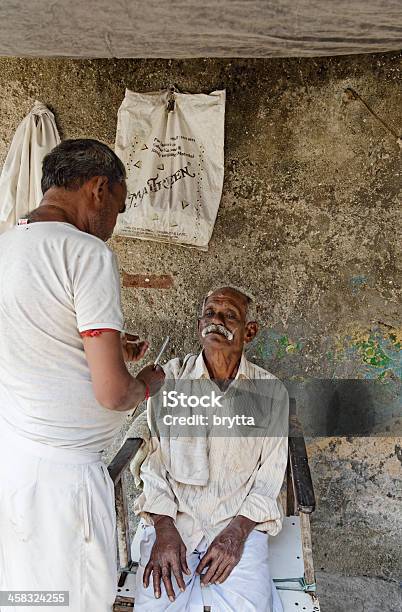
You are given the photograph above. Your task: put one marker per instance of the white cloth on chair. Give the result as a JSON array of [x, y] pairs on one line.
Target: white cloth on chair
[[249, 588], [20, 180], [57, 533], [139, 429]]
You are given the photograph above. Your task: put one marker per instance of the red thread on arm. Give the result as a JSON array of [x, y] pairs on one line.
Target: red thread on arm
[[147, 392], [90, 333]]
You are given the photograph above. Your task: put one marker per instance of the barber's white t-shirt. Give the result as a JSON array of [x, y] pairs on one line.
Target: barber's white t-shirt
[[55, 281]]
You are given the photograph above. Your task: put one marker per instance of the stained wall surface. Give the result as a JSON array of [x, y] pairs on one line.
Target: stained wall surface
[[309, 223]]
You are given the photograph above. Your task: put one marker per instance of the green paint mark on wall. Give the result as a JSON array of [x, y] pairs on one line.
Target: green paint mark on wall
[[273, 345], [359, 352], [372, 353], [378, 350]]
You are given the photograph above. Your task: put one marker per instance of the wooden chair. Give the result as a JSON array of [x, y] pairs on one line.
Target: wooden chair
[[291, 555]]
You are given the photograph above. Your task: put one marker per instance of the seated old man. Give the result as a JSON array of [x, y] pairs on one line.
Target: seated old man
[[210, 499]]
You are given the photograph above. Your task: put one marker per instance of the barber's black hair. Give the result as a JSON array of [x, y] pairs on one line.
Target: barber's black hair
[[73, 162]]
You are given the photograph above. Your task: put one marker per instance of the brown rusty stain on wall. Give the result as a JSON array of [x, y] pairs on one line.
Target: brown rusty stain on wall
[[151, 281]]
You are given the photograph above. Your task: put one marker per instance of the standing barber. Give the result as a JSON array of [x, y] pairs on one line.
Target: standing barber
[[64, 387]]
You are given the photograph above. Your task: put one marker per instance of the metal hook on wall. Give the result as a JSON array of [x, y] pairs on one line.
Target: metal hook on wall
[[171, 99]]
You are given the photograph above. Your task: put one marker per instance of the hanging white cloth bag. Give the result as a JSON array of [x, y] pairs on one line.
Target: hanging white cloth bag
[[172, 145], [20, 190]]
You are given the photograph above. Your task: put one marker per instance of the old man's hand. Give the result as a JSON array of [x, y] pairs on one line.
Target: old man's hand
[[168, 556], [133, 349], [225, 551]]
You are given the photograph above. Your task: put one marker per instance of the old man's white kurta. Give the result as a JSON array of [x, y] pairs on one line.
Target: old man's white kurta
[[204, 481]]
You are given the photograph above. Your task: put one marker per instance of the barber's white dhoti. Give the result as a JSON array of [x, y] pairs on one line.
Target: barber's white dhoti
[[57, 524], [249, 588]]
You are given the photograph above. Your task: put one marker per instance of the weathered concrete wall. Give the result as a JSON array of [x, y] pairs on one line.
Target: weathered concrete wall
[[309, 222]]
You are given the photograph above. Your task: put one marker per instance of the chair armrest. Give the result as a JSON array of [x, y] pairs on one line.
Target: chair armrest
[[301, 477], [123, 457]]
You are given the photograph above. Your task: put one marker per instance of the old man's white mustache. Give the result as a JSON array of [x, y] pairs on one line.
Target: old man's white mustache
[[220, 329]]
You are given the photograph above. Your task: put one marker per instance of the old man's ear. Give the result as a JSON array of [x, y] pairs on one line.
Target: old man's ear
[[250, 331]]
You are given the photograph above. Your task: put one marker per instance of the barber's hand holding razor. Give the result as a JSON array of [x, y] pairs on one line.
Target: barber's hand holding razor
[[153, 377]]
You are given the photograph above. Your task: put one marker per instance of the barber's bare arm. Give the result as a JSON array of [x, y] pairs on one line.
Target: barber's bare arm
[[168, 556], [225, 551], [113, 385]]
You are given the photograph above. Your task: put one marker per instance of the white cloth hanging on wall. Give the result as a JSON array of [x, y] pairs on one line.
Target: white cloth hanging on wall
[[20, 190]]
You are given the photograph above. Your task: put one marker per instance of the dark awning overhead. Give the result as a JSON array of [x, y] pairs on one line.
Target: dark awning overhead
[[190, 28]]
